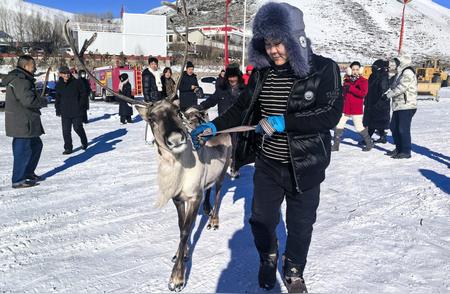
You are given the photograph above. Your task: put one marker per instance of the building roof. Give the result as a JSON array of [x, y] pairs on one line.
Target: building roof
[[4, 35]]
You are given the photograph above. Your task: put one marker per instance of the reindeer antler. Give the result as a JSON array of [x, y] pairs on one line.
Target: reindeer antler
[[79, 57], [183, 12]]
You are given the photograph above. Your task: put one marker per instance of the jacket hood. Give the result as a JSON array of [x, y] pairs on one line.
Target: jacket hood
[[17, 73], [281, 22], [404, 60]]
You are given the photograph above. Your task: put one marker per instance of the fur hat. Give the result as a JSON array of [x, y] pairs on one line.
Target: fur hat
[[233, 71], [281, 22], [123, 77]]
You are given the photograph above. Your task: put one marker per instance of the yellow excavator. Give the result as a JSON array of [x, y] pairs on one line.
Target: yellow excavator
[[431, 77]]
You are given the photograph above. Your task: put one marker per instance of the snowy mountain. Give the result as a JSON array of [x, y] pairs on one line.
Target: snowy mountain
[[30, 8], [353, 29]]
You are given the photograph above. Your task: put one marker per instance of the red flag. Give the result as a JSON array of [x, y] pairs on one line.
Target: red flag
[[122, 11]]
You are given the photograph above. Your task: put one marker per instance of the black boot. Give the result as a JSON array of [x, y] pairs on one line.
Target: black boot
[[293, 277], [367, 140], [382, 139], [267, 275], [337, 139], [392, 153]]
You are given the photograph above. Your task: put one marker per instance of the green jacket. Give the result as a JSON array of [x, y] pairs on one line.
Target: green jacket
[[22, 114]]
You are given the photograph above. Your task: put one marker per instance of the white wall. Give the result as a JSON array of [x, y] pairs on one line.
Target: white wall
[[142, 35]]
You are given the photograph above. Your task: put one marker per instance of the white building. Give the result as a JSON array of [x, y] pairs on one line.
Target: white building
[[134, 34], [211, 36]]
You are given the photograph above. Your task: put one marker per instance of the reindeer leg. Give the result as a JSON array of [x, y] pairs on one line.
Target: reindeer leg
[[207, 203], [181, 210], [176, 282], [214, 217]]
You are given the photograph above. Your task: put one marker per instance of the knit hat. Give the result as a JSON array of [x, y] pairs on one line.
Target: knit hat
[[123, 77], [280, 22], [189, 64]]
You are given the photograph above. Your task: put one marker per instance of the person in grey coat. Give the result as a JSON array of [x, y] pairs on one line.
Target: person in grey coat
[[23, 122], [403, 93]]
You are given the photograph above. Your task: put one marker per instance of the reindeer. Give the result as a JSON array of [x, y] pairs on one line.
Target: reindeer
[[183, 173]]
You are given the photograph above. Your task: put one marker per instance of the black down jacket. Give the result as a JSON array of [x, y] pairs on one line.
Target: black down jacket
[[308, 120]]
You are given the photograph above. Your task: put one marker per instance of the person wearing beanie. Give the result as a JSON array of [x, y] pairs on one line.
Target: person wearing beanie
[[355, 90], [376, 107], [151, 81], [248, 73], [188, 87], [125, 110], [224, 97], [403, 93], [294, 98], [71, 106]]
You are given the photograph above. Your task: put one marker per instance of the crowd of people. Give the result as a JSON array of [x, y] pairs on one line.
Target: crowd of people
[[293, 96]]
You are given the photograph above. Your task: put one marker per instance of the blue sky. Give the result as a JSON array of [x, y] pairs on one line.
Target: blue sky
[[114, 6], [100, 6]]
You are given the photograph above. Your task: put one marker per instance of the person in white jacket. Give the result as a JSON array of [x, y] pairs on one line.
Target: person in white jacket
[[403, 93]]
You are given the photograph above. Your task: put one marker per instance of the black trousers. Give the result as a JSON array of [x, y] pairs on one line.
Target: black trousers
[[77, 123], [273, 182], [401, 129]]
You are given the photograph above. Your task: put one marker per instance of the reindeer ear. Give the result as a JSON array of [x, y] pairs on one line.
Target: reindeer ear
[[143, 111]]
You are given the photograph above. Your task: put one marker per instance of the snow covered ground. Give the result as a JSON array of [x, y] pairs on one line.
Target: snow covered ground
[[90, 227]]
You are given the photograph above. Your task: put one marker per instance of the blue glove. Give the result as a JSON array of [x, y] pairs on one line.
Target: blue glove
[[270, 125], [198, 141]]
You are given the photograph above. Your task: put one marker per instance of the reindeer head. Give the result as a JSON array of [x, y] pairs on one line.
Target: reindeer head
[[167, 125]]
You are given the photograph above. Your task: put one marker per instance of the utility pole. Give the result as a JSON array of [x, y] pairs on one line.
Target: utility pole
[[226, 33], [243, 39], [402, 30]]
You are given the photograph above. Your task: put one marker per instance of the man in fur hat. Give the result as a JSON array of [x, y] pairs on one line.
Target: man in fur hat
[[295, 99]]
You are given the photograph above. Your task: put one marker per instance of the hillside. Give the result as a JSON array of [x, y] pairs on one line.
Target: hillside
[[354, 29]]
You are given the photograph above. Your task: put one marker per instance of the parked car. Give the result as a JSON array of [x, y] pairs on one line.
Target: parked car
[[2, 94], [50, 92], [66, 50], [208, 84]]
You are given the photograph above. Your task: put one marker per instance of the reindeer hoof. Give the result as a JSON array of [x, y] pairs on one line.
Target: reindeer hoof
[[213, 223], [176, 287]]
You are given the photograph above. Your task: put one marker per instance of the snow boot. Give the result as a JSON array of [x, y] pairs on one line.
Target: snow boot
[[391, 153], [337, 139], [382, 139], [293, 277], [367, 140], [267, 275]]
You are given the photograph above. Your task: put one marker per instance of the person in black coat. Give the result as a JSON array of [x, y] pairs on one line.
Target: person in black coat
[[125, 110], [87, 86], [188, 88], [227, 94], [70, 104], [224, 97], [294, 98], [220, 79], [151, 81], [376, 105]]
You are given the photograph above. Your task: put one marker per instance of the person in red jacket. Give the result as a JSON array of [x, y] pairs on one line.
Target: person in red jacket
[[355, 89], [248, 73]]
